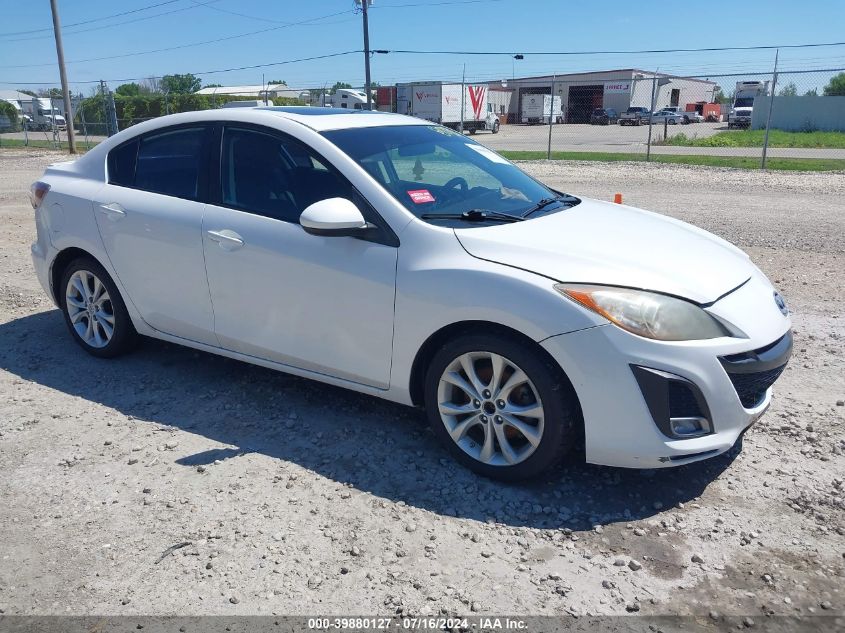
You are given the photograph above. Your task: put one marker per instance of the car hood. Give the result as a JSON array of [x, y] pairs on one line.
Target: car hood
[[598, 242]]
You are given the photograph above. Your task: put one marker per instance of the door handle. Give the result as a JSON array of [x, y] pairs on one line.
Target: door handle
[[227, 239], [113, 211]]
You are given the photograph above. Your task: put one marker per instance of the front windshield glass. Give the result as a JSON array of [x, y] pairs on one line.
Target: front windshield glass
[[431, 169]]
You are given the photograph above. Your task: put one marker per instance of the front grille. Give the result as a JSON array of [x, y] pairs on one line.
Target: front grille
[[682, 401], [751, 388]]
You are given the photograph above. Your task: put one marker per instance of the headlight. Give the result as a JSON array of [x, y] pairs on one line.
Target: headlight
[[647, 314]]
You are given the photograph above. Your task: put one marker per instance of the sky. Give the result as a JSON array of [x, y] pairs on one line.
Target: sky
[[158, 37]]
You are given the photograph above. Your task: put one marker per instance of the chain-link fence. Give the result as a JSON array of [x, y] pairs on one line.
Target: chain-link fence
[[746, 119]]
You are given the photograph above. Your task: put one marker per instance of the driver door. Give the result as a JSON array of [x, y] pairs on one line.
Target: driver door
[[324, 304]]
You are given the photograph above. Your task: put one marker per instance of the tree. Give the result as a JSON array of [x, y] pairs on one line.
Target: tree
[[719, 95], [789, 90], [128, 90], [50, 93], [273, 82], [338, 85], [151, 85], [28, 92], [812, 92], [180, 84], [213, 86], [836, 87]]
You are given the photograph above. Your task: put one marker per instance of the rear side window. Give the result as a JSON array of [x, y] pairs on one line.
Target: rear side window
[[170, 163], [122, 164]]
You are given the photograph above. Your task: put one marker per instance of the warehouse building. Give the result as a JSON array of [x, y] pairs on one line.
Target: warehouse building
[[581, 93]]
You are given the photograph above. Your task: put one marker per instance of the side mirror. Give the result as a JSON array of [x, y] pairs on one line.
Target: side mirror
[[334, 217]]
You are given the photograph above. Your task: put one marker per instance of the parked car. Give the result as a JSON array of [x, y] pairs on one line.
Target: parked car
[[672, 118], [604, 116], [635, 116], [397, 258], [688, 116]]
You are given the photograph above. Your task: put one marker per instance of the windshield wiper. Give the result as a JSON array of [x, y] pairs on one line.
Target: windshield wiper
[[542, 204], [474, 215]]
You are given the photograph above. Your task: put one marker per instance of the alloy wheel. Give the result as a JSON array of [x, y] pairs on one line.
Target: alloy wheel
[[490, 408], [90, 308]]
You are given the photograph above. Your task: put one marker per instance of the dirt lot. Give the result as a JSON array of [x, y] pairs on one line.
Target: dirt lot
[[291, 497]]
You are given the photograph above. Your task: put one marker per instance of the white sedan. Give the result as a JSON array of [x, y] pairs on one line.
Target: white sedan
[[397, 258], [668, 116]]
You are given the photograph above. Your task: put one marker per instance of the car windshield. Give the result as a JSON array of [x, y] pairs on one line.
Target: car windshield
[[431, 169]]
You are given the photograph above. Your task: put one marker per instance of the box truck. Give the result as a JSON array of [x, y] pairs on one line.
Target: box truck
[[743, 104], [441, 103], [539, 108]]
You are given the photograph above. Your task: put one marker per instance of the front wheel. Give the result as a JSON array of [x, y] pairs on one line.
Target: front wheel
[[495, 127], [500, 407], [94, 310]]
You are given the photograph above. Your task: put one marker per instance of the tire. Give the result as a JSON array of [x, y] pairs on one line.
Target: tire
[[90, 327], [552, 415], [495, 127]]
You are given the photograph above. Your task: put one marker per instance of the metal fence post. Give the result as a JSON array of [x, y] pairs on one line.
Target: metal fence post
[[769, 115], [84, 126], [463, 81], [551, 118], [651, 112]]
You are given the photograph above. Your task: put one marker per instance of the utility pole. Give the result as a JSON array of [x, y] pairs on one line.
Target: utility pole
[[651, 113], [364, 6], [60, 53]]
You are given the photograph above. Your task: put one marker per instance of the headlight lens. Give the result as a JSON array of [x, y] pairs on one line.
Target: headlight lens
[[647, 314]]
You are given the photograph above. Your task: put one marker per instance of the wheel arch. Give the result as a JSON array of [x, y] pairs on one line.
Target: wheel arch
[[60, 263], [440, 337]]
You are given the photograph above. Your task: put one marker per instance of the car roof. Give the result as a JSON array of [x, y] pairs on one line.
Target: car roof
[[92, 163]]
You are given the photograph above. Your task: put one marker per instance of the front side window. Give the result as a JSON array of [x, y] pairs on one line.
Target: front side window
[[170, 163], [273, 176], [433, 170]]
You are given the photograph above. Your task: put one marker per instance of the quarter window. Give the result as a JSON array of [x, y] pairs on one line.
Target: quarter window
[[273, 176], [170, 163], [122, 164]]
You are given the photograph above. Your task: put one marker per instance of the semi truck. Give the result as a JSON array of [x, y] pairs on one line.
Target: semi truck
[[743, 103], [40, 114], [346, 98], [541, 109], [441, 103]]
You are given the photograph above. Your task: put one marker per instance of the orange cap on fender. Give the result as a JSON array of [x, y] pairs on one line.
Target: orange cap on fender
[[617, 198]]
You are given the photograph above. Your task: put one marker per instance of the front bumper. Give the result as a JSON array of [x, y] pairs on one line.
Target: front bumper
[[622, 425]]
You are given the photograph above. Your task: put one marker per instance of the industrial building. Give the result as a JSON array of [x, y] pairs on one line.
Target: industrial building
[[581, 93]]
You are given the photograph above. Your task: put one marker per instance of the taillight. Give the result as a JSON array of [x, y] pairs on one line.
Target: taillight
[[37, 192]]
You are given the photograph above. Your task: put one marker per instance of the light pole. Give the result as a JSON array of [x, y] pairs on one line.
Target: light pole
[[60, 54]]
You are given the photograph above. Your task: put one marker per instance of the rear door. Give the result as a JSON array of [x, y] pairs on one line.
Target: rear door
[[150, 219]]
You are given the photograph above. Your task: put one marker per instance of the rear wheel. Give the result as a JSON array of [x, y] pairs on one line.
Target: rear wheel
[[500, 407], [94, 310]]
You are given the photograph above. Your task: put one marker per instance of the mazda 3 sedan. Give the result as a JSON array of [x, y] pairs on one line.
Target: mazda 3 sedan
[[397, 258]]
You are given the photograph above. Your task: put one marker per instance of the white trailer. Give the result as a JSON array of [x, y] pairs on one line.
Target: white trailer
[[541, 109], [441, 103]]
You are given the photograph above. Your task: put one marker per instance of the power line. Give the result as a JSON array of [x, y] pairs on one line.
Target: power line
[[182, 46], [205, 72], [108, 26], [105, 17], [640, 52]]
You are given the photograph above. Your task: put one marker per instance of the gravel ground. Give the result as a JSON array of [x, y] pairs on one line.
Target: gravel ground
[[172, 481]]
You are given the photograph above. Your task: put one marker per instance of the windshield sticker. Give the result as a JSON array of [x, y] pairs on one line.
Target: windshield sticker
[[419, 196], [489, 154]]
